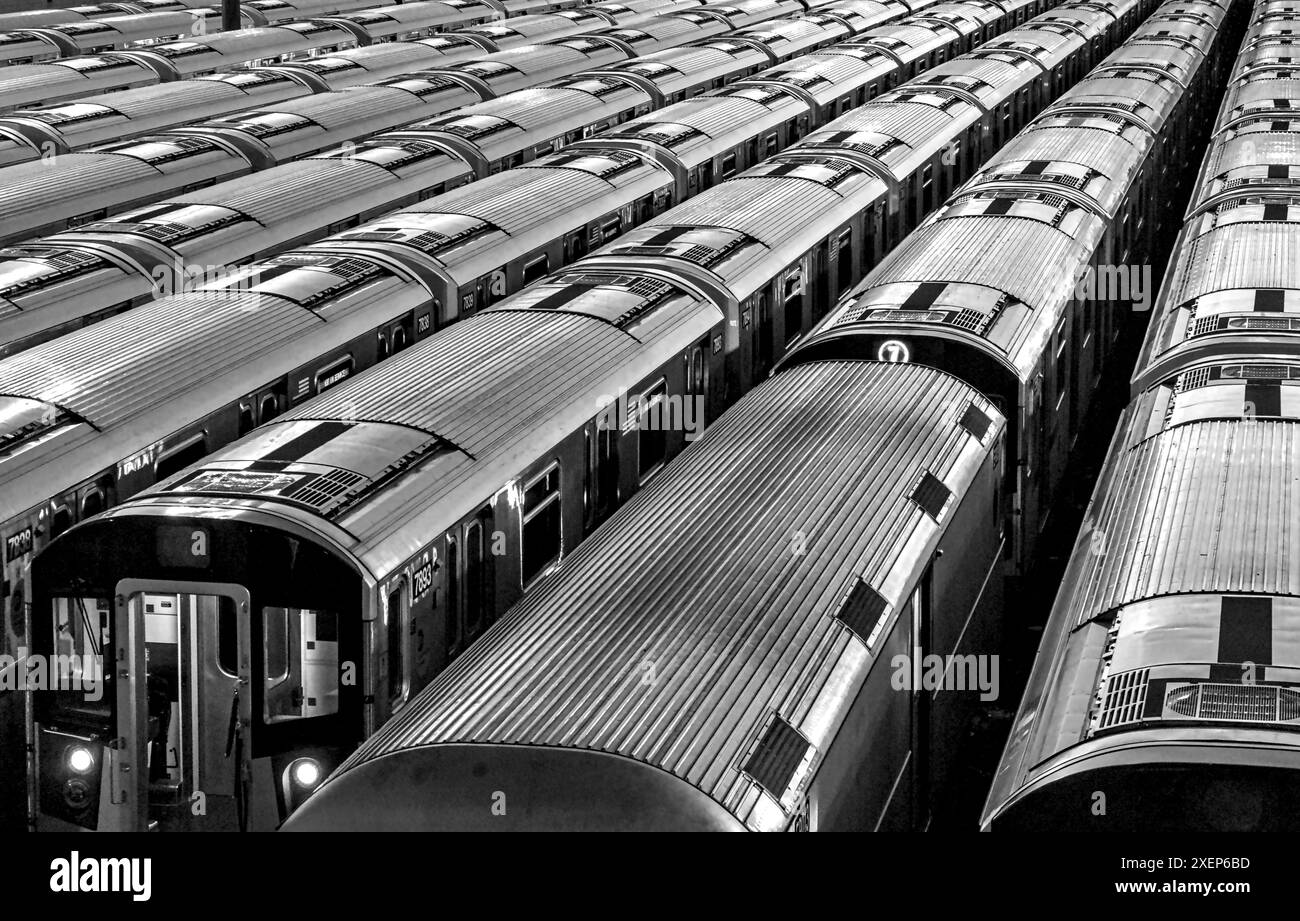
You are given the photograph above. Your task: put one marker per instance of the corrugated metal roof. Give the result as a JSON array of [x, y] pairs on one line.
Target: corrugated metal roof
[[1202, 507], [760, 206], [736, 624], [292, 189], [1254, 149], [1102, 150], [28, 188], [986, 251], [113, 370], [178, 95], [1253, 255], [359, 103], [911, 122], [715, 115], [517, 199]]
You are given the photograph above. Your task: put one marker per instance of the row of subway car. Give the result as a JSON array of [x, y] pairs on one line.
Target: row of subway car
[[699, 653], [40, 35], [65, 280], [199, 54], [1166, 693]]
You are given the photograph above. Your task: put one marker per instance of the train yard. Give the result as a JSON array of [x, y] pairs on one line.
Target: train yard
[[772, 415]]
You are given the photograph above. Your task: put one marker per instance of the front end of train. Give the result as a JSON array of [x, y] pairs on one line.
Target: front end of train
[[203, 661]]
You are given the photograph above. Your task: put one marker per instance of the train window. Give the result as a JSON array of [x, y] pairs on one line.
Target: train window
[[1006, 121], [1062, 363], [475, 610], [652, 441], [60, 520], [872, 91], [542, 525], [275, 646], [382, 348], [927, 188], [395, 612], [601, 486], [399, 339], [729, 166], [793, 306], [751, 151], [92, 503], [845, 257], [792, 131], [845, 104], [771, 145], [536, 268], [180, 457], [612, 227], [269, 408], [310, 642], [227, 637], [577, 244], [452, 624], [247, 421]]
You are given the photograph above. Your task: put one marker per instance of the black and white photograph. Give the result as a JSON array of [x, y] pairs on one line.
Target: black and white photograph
[[650, 416]]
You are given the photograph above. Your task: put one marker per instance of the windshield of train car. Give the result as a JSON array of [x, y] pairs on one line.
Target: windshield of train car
[[77, 630]]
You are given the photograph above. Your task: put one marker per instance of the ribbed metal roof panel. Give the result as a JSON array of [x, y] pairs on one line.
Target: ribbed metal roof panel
[[1251, 255], [26, 188], [1202, 507], [113, 370], [517, 199], [985, 251]]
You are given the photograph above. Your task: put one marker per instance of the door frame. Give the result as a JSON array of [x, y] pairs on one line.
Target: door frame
[[130, 776]]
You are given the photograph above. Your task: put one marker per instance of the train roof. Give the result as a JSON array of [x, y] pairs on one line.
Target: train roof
[[755, 653]]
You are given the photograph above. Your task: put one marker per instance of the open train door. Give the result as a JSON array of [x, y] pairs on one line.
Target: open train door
[[183, 678]]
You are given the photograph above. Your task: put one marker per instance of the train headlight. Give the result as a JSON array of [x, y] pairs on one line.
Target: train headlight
[[305, 773], [80, 759]]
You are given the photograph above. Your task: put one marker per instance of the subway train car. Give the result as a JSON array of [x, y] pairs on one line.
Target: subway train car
[[762, 668], [47, 196], [1166, 692], [633, 322], [62, 282]]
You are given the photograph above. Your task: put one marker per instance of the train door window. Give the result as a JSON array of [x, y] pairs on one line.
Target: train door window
[[764, 358], [645, 208], [729, 165], [60, 519], [1062, 363], [845, 104], [793, 302], [542, 526], [536, 268], [912, 188], [871, 91], [844, 269], [706, 174], [247, 418], [268, 408], [300, 667], [381, 347], [454, 627], [771, 145], [396, 613], [180, 457], [927, 188], [751, 151], [577, 244], [475, 610], [792, 131], [92, 502], [601, 493], [652, 441], [399, 339]]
